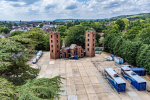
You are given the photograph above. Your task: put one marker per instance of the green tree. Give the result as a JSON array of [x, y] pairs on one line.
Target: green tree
[[69, 24], [131, 34], [41, 25], [13, 61], [62, 30], [76, 35], [46, 43], [121, 24], [126, 21], [101, 40], [15, 33], [40, 89]]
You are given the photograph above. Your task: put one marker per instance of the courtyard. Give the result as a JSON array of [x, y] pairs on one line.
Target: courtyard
[[85, 80]]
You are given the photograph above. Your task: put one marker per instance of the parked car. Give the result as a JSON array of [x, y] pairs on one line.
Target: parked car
[[34, 61], [39, 54], [37, 57]]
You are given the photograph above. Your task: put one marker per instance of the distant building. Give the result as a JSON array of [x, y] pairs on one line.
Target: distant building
[[72, 51], [4, 35], [54, 39], [90, 43], [101, 34]]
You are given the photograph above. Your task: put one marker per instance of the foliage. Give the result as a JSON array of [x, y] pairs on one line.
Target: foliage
[[62, 30], [6, 90], [13, 58], [69, 24], [121, 24], [143, 57], [41, 25], [15, 33], [76, 35], [46, 43], [131, 34], [4, 30], [40, 89], [101, 40]]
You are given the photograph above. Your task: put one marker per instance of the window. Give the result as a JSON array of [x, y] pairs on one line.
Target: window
[[52, 50], [51, 36], [57, 51], [57, 36], [52, 46], [57, 41], [88, 44], [51, 41], [93, 35], [87, 49], [93, 40], [93, 49], [79, 51], [57, 46], [88, 35], [88, 40], [93, 44]]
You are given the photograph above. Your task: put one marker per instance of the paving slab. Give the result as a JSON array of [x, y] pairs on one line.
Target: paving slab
[[82, 97], [87, 80], [90, 89], [65, 90], [51, 62], [102, 96], [93, 79], [93, 96], [72, 97], [71, 89], [143, 95], [134, 95], [113, 96], [98, 88], [63, 97], [80, 89]]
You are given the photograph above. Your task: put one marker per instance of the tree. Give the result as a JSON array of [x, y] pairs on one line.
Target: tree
[[97, 36], [15, 33], [46, 43], [131, 34], [13, 61], [101, 40], [4, 30], [61, 28], [69, 24], [76, 35], [126, 21], [10, 25], [41, 25], [121, 24], [40, 89]]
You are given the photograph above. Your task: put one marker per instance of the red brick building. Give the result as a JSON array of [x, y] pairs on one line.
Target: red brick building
[[72, 50], [90, 43], [54, 39]]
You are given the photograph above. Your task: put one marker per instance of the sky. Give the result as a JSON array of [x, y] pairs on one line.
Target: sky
[[28, 10]]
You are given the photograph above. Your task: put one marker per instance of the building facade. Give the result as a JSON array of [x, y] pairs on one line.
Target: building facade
[[72, 51], [90, 43], [54, 39]]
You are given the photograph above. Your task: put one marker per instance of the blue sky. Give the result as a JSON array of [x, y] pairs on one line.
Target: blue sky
[[63, 9]]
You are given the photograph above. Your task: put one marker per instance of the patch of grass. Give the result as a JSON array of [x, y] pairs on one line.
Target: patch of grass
[[147, 78]]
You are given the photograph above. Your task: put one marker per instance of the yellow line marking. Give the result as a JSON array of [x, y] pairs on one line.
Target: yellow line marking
[[84, 83], [69, 81], [104, 90]]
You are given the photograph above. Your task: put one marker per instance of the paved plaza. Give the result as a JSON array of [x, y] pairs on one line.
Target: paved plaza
[[85, 80]]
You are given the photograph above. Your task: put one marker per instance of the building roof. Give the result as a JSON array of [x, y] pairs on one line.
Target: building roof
[[118, 79], [73, 46], [101, 34], [66, 48], [126, 67], [135, 77]]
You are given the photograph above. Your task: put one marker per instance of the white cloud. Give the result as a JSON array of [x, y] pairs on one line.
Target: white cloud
[[54, 9]]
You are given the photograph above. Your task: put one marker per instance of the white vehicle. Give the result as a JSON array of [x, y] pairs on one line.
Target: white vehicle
[[34, 61], [37, 57]]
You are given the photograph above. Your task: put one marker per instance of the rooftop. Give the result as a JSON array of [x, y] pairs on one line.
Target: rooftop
[[111, 72]]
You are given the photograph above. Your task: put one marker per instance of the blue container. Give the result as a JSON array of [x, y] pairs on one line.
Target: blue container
[[139, 71], [76, 56], [138, 82], [112, 55], [118, 83], [118, 60]]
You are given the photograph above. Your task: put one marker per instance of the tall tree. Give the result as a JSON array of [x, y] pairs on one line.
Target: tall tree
[[121, 24]]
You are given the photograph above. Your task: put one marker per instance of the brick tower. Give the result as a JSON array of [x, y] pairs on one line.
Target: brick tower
[[90, 43], [54, 39]]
